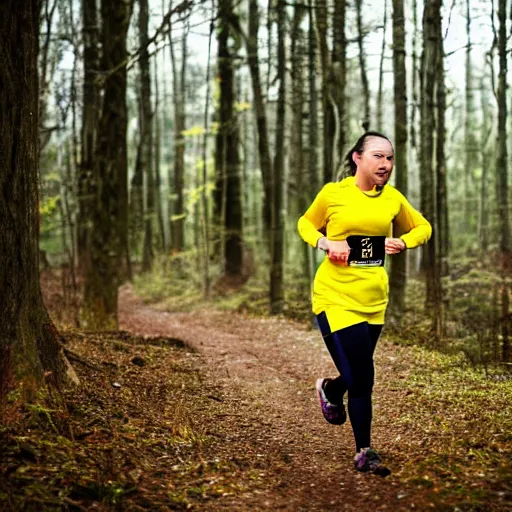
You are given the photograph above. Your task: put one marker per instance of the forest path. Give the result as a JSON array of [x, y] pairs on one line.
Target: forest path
[[265, 371]]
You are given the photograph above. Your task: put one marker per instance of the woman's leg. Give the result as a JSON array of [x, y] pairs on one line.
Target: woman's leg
[[352, 352], [334, 388]]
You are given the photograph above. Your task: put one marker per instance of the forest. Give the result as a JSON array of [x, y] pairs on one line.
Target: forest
[[155, 158]]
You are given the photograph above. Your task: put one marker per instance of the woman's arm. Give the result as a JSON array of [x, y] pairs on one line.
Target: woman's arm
[[314, 219], [417, 229]]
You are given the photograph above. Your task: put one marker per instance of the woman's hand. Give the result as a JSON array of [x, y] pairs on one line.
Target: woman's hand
[[394, 245], [337, 252]]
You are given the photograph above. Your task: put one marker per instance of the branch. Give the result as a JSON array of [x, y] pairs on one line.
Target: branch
[[130, 61]]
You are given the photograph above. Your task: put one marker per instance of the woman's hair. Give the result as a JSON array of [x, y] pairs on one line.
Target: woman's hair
[[350, 165]]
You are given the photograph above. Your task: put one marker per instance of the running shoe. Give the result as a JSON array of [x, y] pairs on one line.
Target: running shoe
[[369, 461], [334, 414]]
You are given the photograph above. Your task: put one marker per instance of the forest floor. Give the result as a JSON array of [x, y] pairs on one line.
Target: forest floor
[[215, 410]]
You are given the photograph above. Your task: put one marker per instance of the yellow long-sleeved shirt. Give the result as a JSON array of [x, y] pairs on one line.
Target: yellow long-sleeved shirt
[[350, 295]]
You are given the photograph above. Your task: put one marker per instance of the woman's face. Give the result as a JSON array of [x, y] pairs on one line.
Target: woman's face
[[374, 163]]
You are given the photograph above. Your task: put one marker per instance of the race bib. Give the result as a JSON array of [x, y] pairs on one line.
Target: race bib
[[366, 251]]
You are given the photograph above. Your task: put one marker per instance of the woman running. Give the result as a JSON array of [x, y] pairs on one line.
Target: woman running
[[350, 291]]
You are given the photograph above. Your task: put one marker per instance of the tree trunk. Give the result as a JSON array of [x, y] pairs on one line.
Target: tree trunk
[[398, 274], [328, 115], [414, 82], [146, 136], [30, 351], [260, 113], [337, 83], [277, 240], [47, 65], [441, 178], [502, 178], [157, 162], [109, 218], [381, 68], [296, 163], [431, 20], [470, 142], [90, 114], [205, 203], [313, 106], [228, 189], [362, 67], [483, 224], [178, 198]]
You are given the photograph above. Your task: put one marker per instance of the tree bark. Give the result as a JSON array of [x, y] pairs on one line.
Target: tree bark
[[157, 121], [30, 350], [313, 104], [381, 68], [328, 115], [296, 162], [470, 143], [109, 218], [277, 241], [337, 83], [146, 136], [431, 21], [398, 274], [483, 224], [178, 197], [441, 178], [227, 160], [90, 116], [502, 179], [365, 122], [260, 114], [414, 81]]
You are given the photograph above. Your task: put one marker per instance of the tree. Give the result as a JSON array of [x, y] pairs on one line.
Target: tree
[[505, 251], [333, 68], [260, 113], [398, 274], [180, 119], [362, 67], [381, 67], [337, 83], [90, 112], [30, 349], [440, 172], [145, 159], [228, 194], [277, 236], [470, 142], [429, 67], [109, 212]]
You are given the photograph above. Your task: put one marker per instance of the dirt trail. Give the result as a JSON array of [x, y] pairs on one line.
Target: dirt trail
[[266, 370]]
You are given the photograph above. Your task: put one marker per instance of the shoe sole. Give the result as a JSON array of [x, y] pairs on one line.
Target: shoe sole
[[319, 395]]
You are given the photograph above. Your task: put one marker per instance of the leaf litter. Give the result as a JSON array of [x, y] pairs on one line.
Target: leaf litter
[[214, 410]]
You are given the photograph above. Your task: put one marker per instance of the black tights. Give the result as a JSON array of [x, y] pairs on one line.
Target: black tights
[[352, 351]]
